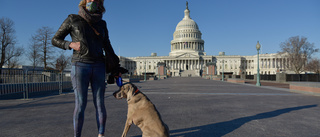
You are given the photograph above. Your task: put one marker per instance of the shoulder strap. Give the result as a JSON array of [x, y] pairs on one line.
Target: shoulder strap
[[95, 31]]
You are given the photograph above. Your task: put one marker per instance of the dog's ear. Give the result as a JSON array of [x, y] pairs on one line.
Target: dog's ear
[[131, 89]]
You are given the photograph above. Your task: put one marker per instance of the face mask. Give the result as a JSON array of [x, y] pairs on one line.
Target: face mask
[[92, 7]]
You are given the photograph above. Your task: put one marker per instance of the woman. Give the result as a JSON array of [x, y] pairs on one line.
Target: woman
[[90, 38]]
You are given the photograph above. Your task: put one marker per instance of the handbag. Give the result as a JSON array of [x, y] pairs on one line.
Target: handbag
[[111, 62]]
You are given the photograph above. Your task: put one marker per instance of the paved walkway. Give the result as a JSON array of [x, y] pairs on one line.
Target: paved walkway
[[191, 107]]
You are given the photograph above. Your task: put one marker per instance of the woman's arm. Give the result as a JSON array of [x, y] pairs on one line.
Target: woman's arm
[[58, 39]]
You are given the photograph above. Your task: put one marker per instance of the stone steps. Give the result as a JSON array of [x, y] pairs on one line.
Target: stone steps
[[188, 73]]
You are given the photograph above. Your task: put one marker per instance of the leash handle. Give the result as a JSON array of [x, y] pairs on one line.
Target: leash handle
[[119, 81]]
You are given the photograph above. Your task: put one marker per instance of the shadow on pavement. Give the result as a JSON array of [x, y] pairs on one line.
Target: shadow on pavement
[[223, 128]]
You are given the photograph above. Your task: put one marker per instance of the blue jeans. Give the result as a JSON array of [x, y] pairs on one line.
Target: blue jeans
[[82, 74]]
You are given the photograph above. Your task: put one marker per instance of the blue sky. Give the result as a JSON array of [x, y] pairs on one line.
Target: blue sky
[[140, 27]]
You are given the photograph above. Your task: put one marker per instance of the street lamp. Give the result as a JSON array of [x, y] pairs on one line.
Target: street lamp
[[165, 71], [258, 69], [145, 70], [222, 69], [222, 54]]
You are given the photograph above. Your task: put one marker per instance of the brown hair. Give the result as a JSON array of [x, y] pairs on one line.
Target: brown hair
[[83, 3]]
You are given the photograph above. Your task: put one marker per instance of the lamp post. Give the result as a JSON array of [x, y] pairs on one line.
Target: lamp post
[[222, 54], [258, 69], [165, 71], [222, 69], [159, 71], [145, 70]]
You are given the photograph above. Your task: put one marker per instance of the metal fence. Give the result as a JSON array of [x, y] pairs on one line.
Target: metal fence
[[140, 77], [289, 77], [303, 77], [250, 77], [22, 83], [268, 77]]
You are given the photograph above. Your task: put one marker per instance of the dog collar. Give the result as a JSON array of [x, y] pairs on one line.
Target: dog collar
[[134, 93]]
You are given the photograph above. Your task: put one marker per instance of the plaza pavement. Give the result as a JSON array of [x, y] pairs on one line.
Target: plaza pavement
[[191, 107]]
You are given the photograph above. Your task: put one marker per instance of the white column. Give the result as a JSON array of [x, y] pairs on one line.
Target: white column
[[182, 64], [192, 64], [177, 61], [273, 63], [173, 67], [197, 64], [186, 63], [267, 63]]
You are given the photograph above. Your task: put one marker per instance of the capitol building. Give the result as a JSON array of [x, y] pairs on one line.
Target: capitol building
[[189, 59]]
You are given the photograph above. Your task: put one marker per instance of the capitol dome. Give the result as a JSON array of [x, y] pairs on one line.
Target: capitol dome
[[187, 37], [187, 22]]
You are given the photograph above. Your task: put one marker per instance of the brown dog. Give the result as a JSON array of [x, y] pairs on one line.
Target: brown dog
[[141, 112]]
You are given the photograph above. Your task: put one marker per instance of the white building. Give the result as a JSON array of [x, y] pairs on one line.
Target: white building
[[188, 57]]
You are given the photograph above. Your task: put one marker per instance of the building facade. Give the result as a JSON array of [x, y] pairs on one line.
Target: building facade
[[188, 58]]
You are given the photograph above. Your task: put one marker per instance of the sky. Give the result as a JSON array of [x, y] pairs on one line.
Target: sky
[[141, 27]]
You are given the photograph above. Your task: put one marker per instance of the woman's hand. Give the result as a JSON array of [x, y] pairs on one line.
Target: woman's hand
[[75, 46]]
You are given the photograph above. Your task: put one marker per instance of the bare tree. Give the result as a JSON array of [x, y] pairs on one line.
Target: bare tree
[[298, 51], [314, 65], [13, 54], [62, 62], [33, 52], [43, 37], [7, 40]]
